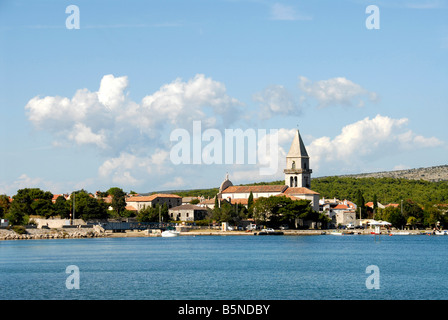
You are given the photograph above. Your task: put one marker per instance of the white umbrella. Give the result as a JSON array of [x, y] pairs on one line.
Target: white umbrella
[[380, 223]]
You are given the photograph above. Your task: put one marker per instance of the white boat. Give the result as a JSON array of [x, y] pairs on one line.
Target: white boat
[[170, 233], [336, 233], [440, 233], [400, 233]]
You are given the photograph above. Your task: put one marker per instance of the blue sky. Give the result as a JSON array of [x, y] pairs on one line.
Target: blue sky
[[94, 107]]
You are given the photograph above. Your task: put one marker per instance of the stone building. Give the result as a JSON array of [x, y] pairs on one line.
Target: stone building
[[141, 202], [188, 212]]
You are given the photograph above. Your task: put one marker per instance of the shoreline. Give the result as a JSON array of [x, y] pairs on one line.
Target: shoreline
[[74, 233]]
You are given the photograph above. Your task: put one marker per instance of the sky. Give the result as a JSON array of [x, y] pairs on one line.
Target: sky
[[94, 94]]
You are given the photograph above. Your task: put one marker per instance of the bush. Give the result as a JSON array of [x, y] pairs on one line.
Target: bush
[[19, 229]]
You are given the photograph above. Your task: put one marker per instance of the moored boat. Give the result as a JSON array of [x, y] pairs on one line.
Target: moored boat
[[170, 233]]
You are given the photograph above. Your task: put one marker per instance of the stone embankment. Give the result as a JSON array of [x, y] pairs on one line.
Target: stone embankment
[[51, 234]]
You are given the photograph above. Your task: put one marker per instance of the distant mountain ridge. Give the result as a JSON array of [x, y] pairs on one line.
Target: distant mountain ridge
[[432, 174]]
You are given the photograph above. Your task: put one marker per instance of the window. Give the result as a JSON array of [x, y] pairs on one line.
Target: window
[[293, 165]]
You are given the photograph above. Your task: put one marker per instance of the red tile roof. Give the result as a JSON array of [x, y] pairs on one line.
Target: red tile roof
[[255, 189], [299, 190], [340, 206], [151, 197]]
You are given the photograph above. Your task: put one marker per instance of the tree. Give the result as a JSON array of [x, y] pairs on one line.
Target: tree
[[42, 207], [62, 207], [153, 214], [216, 202], [375, 203], [412, 221], [250, 203], [4, 205], [20, 210], [361, 203], [394, 216], [87, 207], [412, 209], [118, 200]]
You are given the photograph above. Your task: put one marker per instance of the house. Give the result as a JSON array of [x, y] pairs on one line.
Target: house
[[208, 203], [188, 212], [370, 205], [187, 200], [141, 202]]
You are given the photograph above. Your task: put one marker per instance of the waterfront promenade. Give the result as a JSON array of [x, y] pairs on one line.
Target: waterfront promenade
[[94, 232]]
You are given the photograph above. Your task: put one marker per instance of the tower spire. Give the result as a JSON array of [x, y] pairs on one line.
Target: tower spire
[[297, 172]]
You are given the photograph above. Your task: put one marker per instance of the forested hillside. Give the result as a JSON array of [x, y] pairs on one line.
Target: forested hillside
[[387, 190]]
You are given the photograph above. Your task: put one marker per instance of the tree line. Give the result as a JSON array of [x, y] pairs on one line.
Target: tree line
[[34, 201]]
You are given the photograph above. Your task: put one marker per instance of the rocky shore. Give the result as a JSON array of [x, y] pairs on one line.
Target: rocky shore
[[61, 233], [98, 232]]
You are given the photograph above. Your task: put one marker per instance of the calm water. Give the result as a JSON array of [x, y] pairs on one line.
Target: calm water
[[232, 267]]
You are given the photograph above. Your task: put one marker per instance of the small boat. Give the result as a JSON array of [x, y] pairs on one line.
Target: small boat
[[338, 233], [440, 233], [400, 233], [170, 233]]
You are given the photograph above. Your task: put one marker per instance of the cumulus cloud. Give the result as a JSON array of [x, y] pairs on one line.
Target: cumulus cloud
[[276, 100], [336, 91], [367, 139], [108, 119], [134, 136]]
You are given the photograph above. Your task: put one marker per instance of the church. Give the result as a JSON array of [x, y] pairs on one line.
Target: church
[[297, 180]]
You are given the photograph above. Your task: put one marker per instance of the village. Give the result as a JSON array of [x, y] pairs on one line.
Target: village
[[196, 212]]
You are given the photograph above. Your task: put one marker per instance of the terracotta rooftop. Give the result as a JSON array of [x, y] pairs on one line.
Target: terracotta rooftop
[[298, 190], [255, 189], [188, 207], [151, 197]]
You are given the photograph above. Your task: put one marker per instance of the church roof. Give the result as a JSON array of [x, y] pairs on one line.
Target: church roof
[[297, 149], [255, 189], [299, 190]]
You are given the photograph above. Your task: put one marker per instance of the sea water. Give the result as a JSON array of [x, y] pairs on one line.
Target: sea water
[[227, 267]]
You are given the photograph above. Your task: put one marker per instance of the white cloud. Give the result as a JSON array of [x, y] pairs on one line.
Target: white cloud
[[276, 100], [177, 182], [134, 136], [25, 181], [84, 135], [108, 118], [111, 92], [366, 140], [336, 91], [286, 13]]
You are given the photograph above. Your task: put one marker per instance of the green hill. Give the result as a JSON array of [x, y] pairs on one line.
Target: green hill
[[387, 190]]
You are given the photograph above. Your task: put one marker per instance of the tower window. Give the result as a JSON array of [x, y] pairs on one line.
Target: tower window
[[293, 164]]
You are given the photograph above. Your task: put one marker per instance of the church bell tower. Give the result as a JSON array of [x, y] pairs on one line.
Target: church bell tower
[[298, 172]]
